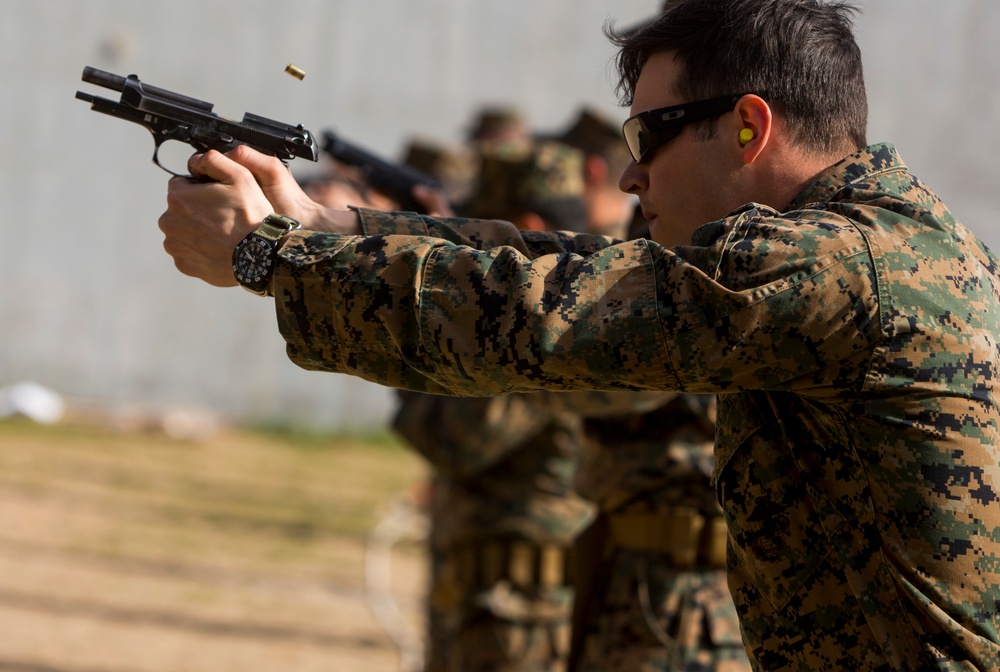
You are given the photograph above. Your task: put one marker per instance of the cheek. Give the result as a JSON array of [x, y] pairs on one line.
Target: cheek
[[670, 189]]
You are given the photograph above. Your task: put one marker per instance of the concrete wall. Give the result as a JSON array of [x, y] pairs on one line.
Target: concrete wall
[[91, 306]]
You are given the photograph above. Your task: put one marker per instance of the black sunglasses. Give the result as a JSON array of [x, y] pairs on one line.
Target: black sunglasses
[[648, 130]]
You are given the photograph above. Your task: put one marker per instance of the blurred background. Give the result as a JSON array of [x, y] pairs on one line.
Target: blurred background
[[92, 308]]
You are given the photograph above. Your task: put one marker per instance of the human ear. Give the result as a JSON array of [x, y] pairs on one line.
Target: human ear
[[754, 126]]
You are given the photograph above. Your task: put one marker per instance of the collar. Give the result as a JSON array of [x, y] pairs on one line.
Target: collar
[[861, 166]]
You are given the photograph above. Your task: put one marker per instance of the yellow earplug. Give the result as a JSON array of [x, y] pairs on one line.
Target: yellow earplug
[[746, 135]]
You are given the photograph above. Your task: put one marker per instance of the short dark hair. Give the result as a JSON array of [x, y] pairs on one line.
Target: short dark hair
[[799, 55]]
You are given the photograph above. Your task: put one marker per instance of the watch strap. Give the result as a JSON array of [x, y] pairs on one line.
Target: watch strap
[[275, 226]]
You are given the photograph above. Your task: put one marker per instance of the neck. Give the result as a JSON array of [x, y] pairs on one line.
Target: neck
[[790, 171]]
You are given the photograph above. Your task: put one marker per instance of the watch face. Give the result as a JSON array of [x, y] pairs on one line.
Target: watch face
[[252, 260]]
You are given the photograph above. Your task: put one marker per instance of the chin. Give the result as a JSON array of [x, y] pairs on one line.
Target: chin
[[664, 235], [656, 232]]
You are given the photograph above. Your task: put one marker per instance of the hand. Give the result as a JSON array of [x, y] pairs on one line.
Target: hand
[[205, 220], [435, 201], [277, 183], [287, 196]]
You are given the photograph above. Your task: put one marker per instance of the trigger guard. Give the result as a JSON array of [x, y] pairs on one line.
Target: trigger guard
[[156, 161]]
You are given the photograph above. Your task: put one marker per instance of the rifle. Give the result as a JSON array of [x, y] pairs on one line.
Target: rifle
[[394, 180], [174, 116]]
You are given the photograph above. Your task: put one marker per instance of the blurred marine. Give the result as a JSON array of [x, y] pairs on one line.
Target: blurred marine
[[503, 512]]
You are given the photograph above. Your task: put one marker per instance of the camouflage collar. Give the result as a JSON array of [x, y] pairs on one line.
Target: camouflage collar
[[858, 167]]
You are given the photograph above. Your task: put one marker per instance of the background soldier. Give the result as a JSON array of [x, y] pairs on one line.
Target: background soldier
[[503, 513], [843, 314], [497, 123], [454, 166], [609, 209], [650, 576]]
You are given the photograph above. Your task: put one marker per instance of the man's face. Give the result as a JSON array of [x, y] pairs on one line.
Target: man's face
[[687, 181]]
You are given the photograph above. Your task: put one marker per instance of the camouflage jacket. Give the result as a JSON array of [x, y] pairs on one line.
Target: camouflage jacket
[[504, 466], [852, 339]]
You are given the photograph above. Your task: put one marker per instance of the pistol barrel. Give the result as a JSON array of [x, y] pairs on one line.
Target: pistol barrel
[[104, 79], [115, 82]]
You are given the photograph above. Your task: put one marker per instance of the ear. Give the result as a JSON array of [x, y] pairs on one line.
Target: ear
[[752, 113], [529, 221]]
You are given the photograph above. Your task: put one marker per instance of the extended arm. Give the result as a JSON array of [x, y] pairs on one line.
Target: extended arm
[[424, 313]]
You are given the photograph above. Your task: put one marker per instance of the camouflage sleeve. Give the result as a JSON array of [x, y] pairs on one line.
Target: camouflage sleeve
[[424, 314], [481, 234], [763, 302]]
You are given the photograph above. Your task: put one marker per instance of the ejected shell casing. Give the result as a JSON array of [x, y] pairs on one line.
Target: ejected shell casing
[[295, 71]]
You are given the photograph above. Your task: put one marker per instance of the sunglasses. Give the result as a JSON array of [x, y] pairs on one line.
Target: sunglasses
[[648, 130]]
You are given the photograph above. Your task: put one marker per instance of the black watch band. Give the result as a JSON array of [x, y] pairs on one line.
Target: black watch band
[[253, 257]]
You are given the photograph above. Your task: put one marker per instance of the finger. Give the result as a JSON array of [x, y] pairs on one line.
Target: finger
[[267, 170], [277, 183], [192, 165], [216, 166]]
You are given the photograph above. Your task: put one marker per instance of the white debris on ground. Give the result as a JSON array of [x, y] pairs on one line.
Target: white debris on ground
[[32, 401], [40, 404]]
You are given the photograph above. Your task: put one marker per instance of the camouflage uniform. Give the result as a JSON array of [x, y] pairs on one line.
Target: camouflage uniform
[[852, 340], [518, 176], [657, 597], [454, 167], [503, 513], [498, 122], [646, 462], [600, 138], [503, 516]]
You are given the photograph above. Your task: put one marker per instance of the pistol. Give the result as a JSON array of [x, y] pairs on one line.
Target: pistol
[[174, 116], [394, 180]]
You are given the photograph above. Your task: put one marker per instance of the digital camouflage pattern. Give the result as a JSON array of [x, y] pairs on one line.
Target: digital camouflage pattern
[[527, 176], [498, 122], [503, 475], [503, 512], [644, 612], [453, 166], [656, 619], [852, 341]]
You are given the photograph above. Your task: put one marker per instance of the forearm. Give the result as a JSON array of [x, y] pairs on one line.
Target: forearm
[[424, 314], [480, 234]]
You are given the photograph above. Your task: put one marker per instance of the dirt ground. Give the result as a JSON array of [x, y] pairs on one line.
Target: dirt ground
[[124, 552]]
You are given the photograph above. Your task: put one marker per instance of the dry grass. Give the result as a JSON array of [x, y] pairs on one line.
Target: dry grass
[[134, 553]]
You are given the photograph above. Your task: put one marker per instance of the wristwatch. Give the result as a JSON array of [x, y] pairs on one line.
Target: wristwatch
[[253, 258]]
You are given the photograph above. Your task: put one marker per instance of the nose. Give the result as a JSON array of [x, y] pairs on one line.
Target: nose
[[634, 179]]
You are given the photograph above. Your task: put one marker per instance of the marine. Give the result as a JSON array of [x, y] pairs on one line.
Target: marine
[[503, 511], [844, 318]]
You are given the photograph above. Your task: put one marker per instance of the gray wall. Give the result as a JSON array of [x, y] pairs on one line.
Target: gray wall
[[93, 307]]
